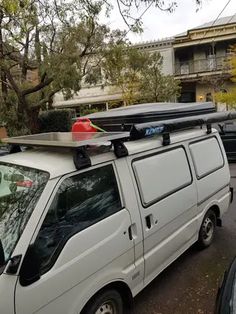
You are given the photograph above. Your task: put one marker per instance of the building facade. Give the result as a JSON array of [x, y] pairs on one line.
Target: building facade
[[197, 58], [100, 95], [165, 48], [200, 57]]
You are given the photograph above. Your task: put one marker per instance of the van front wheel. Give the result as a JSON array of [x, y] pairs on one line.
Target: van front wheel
[[207, 230], [107, 302]]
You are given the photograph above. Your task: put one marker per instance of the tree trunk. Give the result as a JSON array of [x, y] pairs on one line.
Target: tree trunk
[[25, 58], [27, 115], [32, 119]]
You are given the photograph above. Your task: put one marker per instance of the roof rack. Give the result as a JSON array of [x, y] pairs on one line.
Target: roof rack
[[80, 141]]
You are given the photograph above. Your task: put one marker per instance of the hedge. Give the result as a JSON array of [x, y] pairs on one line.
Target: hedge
[[56, 120]]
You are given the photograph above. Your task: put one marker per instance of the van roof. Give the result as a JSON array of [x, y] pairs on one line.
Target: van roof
[[59, 161]]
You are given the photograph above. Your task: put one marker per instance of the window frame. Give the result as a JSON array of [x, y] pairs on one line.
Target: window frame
[[194, 164], [61, 246], [155, 201]]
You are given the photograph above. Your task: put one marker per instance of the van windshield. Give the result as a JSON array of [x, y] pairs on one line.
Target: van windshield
[[20, 189]]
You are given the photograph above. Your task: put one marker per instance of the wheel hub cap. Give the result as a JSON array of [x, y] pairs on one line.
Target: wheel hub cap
[[106, 308], [208, 228]]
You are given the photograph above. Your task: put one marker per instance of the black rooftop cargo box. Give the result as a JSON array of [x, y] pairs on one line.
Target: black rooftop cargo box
[[122, 119]]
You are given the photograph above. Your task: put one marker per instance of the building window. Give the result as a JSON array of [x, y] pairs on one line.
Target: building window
[[209, 97]]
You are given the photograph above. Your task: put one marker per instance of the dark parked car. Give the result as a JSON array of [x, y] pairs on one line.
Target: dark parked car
[[227, 132], [226, 298]]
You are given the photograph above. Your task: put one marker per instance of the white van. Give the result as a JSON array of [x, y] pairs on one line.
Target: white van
[[87, 241]]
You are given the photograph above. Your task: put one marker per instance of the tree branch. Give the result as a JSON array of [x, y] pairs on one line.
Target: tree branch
[[12, 82], [43, 77], [38, 87], [88, 42], [25, 56], [48, 98]]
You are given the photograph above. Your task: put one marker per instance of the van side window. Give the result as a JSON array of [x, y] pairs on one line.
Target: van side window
[[162, 174], [207, 156], [81, 201]]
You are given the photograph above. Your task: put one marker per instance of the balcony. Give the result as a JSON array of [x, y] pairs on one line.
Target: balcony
[[212, 64]]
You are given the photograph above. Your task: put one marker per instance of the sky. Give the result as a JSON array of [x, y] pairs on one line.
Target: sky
[[158, 24]]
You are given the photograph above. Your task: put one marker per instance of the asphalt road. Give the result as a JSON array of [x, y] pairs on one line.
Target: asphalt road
[[190, 284]]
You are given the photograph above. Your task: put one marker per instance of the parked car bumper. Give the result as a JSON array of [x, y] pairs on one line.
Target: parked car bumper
[[226, 297]]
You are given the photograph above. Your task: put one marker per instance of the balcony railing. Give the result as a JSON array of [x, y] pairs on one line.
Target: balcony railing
[[203, 65]]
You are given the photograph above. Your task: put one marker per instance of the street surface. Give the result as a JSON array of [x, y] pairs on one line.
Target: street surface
[[190, 284]]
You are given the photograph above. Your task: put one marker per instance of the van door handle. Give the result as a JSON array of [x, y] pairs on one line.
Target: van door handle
[[149, 221], [132, 230]]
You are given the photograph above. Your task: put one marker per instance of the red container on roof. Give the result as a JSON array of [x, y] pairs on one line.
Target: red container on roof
[[83, 125]]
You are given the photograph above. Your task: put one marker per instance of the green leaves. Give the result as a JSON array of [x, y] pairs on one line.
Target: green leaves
[[48, 47], [155, 86], [138, 75], [13, 6], [224, 96], [122, 67]]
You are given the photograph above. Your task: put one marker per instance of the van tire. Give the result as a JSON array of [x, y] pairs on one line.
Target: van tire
[[207, 230], [106, 302]]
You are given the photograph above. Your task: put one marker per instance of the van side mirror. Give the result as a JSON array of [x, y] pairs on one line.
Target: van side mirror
[[30, 268]]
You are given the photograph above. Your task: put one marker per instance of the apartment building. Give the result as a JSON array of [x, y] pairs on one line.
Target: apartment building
[[200, 57]]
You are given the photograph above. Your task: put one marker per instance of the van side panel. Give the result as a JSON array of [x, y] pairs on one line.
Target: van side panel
[[167, 201], [7, 290], [99, 251], [211, 168]]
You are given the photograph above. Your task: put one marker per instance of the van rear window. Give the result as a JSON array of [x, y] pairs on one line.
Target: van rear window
[[207, 156], [162, 174]]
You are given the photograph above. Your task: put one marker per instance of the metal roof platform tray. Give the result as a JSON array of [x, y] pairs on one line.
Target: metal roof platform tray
[[66, 139]]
